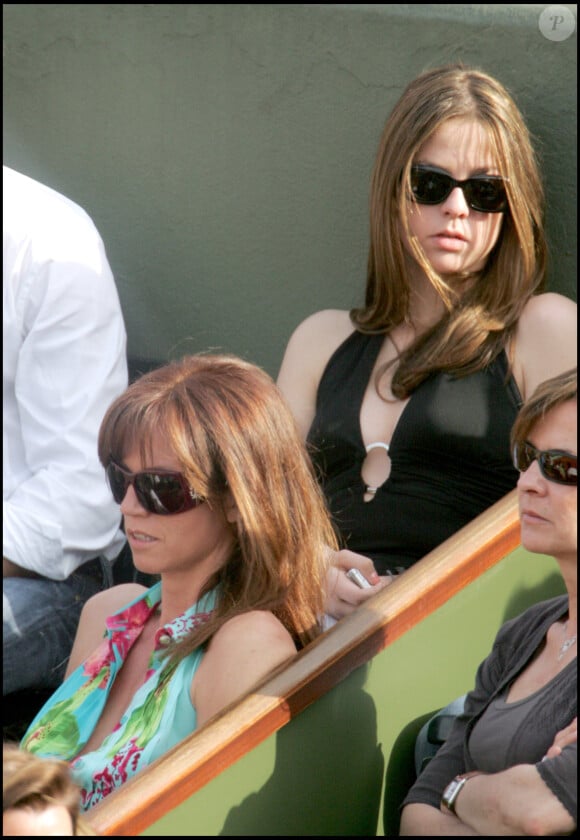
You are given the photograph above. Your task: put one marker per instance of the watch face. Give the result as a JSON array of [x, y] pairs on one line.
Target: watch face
[[449, 790], [450, 793]]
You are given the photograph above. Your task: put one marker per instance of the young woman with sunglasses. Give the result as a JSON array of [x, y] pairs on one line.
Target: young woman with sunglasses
[[407, 401], [219, 498], [509, 765]]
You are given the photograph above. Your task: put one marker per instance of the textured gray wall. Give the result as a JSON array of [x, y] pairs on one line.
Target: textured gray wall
[[224, 151]]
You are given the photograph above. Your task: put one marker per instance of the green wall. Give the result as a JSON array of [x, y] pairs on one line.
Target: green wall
[[224, 151]]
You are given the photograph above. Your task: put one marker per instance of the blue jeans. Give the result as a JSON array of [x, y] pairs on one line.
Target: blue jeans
[[40, 622]]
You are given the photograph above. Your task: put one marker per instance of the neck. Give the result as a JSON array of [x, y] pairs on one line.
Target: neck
[[569, 570], [570, 627], [179, 592], [426, 307]]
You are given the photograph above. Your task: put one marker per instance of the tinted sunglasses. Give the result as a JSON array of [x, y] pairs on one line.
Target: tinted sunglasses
[[158, 491], [554, 465], [485, 193]]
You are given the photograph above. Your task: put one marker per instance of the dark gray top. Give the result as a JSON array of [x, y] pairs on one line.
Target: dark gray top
[[492, 735], [531, 735]]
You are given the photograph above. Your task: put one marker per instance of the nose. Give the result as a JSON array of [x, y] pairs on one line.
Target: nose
[[131, 504], [532, 480], [455, 203]]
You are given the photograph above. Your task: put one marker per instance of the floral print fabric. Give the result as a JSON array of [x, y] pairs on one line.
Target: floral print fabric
[[159, 715]]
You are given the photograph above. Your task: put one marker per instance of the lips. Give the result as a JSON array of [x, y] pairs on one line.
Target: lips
[[531, 516], [140, 536], [450, 241], [451, 234]]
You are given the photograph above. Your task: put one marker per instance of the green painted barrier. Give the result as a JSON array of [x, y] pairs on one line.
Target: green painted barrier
[[342, 766]]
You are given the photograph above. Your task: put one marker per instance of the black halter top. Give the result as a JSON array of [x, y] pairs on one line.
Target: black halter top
[[450, 455]]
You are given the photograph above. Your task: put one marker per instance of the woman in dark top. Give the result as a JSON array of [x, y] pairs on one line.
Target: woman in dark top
[[448, 456], [408, 400], [509, 765]]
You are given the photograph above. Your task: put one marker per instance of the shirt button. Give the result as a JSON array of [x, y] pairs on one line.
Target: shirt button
[[164, 639]]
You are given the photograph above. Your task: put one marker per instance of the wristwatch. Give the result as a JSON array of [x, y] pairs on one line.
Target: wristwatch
[[453, 790]]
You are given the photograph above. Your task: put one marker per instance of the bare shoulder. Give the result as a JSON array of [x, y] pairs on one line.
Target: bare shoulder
[[244, 651], [307, 353], [255, 629], [327, 325], [546, 340], [550, 310], [110, 600]]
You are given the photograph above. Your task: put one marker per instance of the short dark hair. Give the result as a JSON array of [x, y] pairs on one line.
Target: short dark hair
[[37, 783], [548, 395]]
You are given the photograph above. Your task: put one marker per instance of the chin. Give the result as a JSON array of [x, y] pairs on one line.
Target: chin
[[146, 565], [537, 543], [451, 268]]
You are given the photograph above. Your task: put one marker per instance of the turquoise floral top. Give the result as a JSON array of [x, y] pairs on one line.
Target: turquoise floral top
[[160, 714]]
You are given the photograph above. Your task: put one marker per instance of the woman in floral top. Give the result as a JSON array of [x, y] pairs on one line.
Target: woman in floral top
[[218, 499]]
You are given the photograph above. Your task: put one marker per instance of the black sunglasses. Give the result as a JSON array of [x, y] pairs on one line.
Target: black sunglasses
[[485, 193], [158, 491], [555, 465]]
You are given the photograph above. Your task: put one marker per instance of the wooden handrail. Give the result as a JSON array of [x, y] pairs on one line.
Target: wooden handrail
[[350, 643]]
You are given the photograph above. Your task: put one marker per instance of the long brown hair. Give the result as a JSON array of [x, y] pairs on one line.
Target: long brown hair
[[479, 324], [235, 438]]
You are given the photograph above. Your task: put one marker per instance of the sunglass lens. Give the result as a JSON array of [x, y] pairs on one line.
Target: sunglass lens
[[522, 456], [430, 187], [555, 466], [160, 493], [486, 194], [560, 468], [117, 482]]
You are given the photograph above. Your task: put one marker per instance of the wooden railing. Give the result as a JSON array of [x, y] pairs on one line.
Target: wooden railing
[[330, 659]]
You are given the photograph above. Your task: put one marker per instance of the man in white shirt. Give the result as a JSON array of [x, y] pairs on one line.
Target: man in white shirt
[[64, 363]]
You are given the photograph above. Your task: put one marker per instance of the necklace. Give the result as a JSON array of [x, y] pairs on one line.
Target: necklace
[[566, 644]]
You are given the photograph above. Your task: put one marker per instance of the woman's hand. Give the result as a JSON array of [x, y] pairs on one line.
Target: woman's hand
[[343, 596]]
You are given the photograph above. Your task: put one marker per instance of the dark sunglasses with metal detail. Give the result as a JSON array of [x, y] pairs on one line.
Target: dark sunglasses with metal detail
[[555, 465], [158, 491], [485, 193]]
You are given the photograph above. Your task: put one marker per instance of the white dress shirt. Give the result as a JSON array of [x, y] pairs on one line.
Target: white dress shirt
[[64, 363]]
